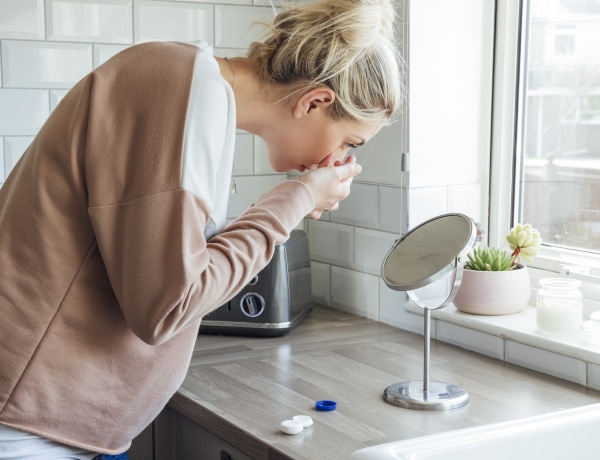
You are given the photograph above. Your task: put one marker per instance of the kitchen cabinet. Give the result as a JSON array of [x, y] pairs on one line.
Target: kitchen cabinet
[[178, 438]]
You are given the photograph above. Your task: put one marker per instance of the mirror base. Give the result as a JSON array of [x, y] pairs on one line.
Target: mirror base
[[439, 396]]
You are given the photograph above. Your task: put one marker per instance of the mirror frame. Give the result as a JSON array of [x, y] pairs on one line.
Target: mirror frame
[[452, 261]]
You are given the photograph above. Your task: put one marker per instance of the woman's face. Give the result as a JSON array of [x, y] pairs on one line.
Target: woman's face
[[309, 142]]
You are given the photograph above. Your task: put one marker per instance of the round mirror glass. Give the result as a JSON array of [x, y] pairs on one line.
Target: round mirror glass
[[428, 252]]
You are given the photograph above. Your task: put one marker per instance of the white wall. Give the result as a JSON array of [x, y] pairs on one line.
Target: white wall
[[451, 56]]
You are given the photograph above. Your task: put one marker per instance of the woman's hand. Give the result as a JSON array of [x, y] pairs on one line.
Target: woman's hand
[[330, 183]]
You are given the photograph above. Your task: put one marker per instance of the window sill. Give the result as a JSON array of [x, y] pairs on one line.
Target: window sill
[[515, 339]]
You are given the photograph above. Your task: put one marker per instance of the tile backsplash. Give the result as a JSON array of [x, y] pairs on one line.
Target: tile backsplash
[[46, 46]]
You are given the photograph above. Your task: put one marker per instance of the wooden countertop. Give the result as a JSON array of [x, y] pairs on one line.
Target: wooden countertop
[[241, 388]]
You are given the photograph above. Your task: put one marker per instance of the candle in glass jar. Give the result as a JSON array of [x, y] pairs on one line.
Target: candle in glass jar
[[559, 306]]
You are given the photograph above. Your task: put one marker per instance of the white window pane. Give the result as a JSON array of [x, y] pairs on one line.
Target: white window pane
[[560, 137]]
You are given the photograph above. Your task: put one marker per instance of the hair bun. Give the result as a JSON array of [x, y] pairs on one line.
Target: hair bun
[[347, 45], [363, 22]]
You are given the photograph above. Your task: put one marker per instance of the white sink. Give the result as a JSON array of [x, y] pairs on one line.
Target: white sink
[[565, 435]]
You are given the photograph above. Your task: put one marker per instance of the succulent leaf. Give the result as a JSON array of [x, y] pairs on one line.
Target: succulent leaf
[[489, 259], [521, 238], [495, 265]]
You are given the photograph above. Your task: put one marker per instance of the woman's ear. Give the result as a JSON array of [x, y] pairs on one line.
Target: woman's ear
[[316, 99]]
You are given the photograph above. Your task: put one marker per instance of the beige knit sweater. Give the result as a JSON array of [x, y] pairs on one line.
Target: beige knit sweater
[[104, 269]]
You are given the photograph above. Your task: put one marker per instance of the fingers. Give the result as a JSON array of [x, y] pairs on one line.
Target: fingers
[[347, 160], [330, 183], [349, 170], [316, 215]]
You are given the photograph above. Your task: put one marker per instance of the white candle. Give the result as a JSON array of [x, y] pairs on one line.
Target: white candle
[[559, 306], [559, 319]]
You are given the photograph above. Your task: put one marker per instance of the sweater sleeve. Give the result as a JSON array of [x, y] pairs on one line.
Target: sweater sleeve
[[166, 276]]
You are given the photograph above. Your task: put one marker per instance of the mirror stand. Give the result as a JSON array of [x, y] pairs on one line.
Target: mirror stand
[[426, 395], [424, 255]]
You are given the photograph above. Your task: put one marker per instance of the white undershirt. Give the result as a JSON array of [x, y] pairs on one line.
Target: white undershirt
[[15, 444], [209, 136]]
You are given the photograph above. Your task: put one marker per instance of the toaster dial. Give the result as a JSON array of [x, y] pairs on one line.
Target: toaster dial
[[252, 304]]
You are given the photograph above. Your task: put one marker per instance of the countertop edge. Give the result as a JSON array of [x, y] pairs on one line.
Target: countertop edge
[[208, 418]]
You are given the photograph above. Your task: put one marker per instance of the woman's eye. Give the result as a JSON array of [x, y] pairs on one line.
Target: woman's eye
[[351, 146]]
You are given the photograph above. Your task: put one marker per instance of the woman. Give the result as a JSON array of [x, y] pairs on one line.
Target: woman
[[112, 237]]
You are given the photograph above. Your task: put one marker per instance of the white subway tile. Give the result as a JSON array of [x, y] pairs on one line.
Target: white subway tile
[[14, 147], [103, 53], [545, 361], [105, 21], [230, 52], [392, 310], [370, 248], [321, 283], [230, 2], [381, 157], [270, 3], [23, 111], [29, 64], [22, 19], [425, 203], [261, 158], [331, 243], [470, 339], [355, 292], [159, 20], [243, 161], [393, 212], [465, 199], [56, 96], [238, 26], [360, 208], [593, 380], [2, 175], [250, 188]]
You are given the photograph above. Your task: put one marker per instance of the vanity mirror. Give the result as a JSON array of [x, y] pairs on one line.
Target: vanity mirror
[[428, 253]]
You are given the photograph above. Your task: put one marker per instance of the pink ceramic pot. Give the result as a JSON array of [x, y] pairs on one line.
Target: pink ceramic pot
[[493, 293]]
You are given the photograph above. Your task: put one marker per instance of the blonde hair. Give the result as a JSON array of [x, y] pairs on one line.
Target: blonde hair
[[346, 45]]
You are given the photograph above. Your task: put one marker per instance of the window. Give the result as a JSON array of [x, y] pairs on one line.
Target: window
[[564, 37], [560, 130], [547, 113]]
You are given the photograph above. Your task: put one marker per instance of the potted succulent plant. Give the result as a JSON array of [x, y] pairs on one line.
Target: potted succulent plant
[[495, 281]]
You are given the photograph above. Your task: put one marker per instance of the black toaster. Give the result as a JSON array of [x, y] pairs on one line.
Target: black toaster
[[274, 301]]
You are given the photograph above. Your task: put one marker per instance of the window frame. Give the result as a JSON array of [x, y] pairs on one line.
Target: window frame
[[509, 56]]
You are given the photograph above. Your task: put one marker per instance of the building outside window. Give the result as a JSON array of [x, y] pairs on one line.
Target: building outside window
[[558, 148]]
